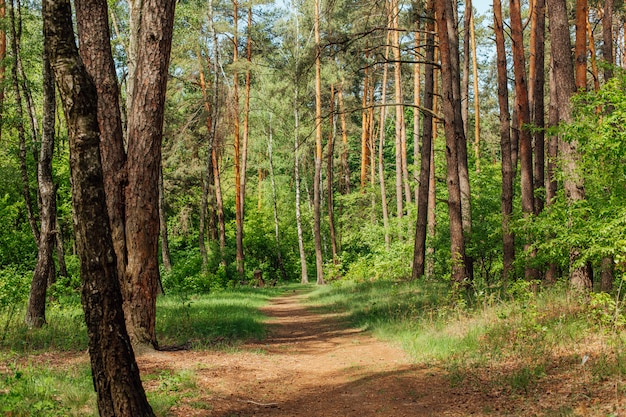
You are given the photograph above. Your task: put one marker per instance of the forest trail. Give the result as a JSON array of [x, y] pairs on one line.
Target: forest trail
[[312, 364]]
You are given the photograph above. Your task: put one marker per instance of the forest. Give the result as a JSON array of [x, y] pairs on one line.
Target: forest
[[451, 181]]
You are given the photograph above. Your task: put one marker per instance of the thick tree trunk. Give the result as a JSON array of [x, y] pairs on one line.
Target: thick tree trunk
[[508, 238], [115, 372], [36, 309], [453, 124], [419, 249], [317, 181], [145, 133], [565, 87], [95, 49]]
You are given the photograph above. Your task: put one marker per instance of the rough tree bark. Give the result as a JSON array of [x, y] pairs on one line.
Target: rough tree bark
[[565, 86], [145, 133], [115, 372], [453, 125], [93, 32]]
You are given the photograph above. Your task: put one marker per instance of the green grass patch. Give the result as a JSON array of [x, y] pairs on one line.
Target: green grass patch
[[223, 318], [36, 390], [510, 340]]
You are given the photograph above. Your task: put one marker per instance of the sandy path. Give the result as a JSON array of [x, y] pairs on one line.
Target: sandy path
[[310, 365]]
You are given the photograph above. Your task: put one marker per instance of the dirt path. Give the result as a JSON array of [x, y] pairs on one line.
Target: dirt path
[[312, 365]]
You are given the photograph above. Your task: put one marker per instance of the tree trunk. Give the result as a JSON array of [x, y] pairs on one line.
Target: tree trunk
[[417, 85], [508, 238], [381, 145], [317, 181], [419, 249], [330, 150], [345, 169], [15, 50], [607, 274], [59, 248], [145, 133], [453, 124], [279, 255], [565, 88], [237, 145], [304, 275], [467, 18], [523, 120], [580, 48], [95, 49], [536, 96], [3, 54], [399, 125], [365, 150], [476, 95], [115, 372], [36, 310], [165, 245], [607, 39]]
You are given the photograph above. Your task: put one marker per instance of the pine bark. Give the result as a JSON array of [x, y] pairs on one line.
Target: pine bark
[[607, 39], [565, 86], [508, 238], [145, 133], [115, 372], [453, 126], [419, 249], [94, 36], [536, 96]]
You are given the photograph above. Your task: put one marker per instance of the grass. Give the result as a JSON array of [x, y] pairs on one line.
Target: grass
[[35, 387], [509, 343]]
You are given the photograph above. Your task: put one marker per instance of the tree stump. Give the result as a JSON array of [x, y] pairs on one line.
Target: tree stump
[[258, 278]]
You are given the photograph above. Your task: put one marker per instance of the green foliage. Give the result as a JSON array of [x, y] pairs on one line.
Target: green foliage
[[35, 390], [17, 246], [14, 285], [223, 317], [596, 225]]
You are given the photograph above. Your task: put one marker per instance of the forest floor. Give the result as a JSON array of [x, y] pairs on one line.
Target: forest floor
[[314, 364]]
